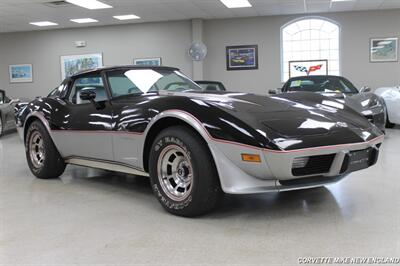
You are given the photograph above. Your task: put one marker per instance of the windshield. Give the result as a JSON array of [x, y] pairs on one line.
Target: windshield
[[140, 81], [321, 84]]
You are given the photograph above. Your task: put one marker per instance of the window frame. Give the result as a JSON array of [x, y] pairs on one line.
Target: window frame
[[73, 79], [283, 65]]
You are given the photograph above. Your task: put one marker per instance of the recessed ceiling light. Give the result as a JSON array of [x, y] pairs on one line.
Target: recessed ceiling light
[[342, 0], [236, 3], [126, 17], [43, 23], [84, 20], [89, 4]]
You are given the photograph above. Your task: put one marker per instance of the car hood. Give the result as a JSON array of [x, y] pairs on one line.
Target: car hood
[[292, 115], [357, 101]]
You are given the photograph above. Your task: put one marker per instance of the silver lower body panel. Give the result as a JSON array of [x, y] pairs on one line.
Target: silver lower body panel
[[274, 172]]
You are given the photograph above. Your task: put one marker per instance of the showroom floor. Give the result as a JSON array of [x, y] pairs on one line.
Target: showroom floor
[[96, 217]]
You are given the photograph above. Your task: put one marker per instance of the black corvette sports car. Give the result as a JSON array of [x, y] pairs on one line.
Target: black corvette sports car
[[194, 144]]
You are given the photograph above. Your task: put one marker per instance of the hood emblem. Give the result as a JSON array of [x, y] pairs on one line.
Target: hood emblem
[[341, 124]]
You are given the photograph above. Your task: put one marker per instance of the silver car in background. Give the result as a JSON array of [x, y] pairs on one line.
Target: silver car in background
[[391, 96], [370, 105], [7, 113]]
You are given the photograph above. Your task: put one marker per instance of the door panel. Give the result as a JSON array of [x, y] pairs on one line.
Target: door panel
[[86, 132], [86, 127], [128, 138]]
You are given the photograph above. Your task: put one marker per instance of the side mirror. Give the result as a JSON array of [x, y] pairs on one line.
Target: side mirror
[[365, 89], [14, 101], [88, 94], [275, 91]]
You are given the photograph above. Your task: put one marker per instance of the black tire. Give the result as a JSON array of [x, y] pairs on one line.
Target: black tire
[[388, 123], [205, 188], [52, 165]]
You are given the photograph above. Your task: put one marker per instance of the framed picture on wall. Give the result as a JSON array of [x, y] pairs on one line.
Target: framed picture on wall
[[72, 64], [308, 68], [384, 50], [242, 57], [156, 61], [21, 73]]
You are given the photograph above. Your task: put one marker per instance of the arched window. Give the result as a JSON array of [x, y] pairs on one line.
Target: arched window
[[310, 39]]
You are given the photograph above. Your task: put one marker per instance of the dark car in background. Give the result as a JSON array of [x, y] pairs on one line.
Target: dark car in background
[[341, 89]]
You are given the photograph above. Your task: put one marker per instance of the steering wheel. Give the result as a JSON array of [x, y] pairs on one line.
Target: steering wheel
[[182, 84]]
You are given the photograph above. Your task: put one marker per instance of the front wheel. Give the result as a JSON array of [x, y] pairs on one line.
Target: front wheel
[[43, 157], [182, 172], [388, 123]]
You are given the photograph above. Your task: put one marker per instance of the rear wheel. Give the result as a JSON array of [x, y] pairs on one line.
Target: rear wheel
[[182, 172], [43, 157]]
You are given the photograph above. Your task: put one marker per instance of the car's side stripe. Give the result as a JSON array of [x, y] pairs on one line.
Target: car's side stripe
[[98, 131]]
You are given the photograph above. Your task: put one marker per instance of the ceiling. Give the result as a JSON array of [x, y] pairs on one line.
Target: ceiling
[[15, 15]]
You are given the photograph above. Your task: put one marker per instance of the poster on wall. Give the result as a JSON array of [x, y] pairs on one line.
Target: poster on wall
[[156, 61], [242, 57], [21, 73], [384, 50], [308, 68], [72, 64]]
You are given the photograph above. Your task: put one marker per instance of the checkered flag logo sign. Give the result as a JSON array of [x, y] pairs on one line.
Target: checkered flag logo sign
[[307, 70], [301, 68]]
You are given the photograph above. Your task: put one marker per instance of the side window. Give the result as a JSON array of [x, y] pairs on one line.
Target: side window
[[91, 82], [121, 85]]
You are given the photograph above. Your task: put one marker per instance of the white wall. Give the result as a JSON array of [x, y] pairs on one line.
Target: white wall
[[119, 45], [171, 41], [356, 30]]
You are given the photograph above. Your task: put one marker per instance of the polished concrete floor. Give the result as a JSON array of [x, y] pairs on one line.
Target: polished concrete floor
[[91, 217]]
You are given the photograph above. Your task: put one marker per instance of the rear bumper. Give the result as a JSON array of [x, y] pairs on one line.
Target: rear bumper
[[275, 171]]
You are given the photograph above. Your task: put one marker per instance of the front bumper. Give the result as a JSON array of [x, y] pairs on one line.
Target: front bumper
[[275, 171], [376, 116]]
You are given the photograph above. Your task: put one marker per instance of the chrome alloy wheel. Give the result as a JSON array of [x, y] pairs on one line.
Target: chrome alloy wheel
[[36, 149], [175, 172]]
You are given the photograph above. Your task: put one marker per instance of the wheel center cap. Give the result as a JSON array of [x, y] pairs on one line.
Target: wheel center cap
[[183, 172], [180, 172]]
